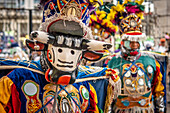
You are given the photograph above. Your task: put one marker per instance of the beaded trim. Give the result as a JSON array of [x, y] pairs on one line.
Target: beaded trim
[[87, 31]]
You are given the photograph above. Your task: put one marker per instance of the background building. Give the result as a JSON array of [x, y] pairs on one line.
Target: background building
[[16, 16], [162, 17]]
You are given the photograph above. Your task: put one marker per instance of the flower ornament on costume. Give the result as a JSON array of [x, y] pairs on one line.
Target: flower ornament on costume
[[64, 39], [135, 7], [101, 24], [123, 9], [117, 13]]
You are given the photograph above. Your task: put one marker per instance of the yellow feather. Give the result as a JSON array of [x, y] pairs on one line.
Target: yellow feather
[[102, 16], [125, 2], [96, 3], [140, 2], [136, 1]]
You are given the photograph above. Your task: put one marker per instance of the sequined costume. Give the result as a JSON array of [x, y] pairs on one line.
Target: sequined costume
[[26, 90], [142, 90], [142, 87]]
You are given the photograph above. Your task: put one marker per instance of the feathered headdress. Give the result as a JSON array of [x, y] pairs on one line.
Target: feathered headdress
[[128, 17], [67, 16], [135, 7], [100, 22]]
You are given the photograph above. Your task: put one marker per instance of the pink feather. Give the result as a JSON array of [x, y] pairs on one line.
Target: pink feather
[[132, 9]]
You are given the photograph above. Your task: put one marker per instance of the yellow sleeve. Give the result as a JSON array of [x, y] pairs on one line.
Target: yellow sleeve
[[159, 86], [95, 98], [5, 92], [158, 92]]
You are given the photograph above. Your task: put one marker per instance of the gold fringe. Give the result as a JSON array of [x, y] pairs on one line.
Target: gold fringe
[[112, 93], [90, 78], [108, 98], [14, 67], [136, 109]]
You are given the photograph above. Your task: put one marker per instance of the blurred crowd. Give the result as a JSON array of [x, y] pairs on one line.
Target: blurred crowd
[[12, 50], [162, 47]]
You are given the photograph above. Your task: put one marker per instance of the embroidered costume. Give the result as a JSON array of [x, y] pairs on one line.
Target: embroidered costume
[[25, 89], [141, 84], [142, 89]]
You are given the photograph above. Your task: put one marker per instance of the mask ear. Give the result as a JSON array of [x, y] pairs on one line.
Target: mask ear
[[91, 55], [35, 45]]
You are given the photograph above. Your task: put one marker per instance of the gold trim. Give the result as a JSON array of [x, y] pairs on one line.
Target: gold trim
[[161, 54], [40, 72], [13, 67], [90, 78]]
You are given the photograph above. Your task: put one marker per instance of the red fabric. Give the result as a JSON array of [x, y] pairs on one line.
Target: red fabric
[[122, 42], [14, 105], [133, 53], [52, 6], [32, 45], [46, 75], [134, 33], [155, 80], [92, 103], [112, 74], [106, 62], [114, 77], [112, 71], [125, 55]]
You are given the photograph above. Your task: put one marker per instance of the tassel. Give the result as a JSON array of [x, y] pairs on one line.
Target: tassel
[[135, 110], [117, 87], [108, 98], [112, 93]]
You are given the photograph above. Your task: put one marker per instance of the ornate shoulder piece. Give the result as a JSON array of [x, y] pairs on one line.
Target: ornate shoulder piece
[[68, 17]]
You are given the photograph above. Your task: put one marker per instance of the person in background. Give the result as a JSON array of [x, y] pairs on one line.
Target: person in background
[[48, 86], [167, 36], [119, 49], [162, 48], [148, 47], [17, 53], [36, 55], [142, 90]]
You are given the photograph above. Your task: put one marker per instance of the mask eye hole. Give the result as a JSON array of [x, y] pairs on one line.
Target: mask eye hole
[[72, 52], [60, 50], [49, 55]]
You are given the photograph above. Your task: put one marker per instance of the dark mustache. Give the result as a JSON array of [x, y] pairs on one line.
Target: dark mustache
[[64, 66], [65, 62]]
